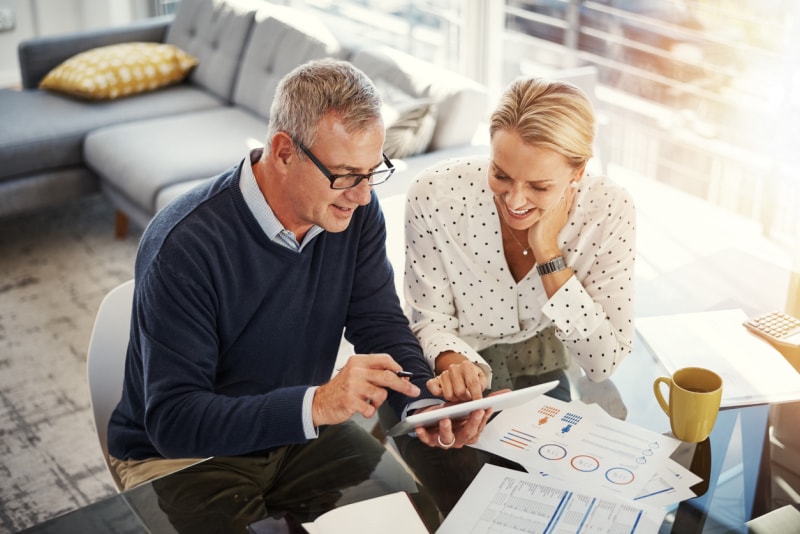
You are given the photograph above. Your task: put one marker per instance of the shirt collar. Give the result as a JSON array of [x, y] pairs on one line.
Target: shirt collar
[[263, 213]]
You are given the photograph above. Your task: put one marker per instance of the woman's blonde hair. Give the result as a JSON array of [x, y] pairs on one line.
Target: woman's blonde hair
[[548, 114]]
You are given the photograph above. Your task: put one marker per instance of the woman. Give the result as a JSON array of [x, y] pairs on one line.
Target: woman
[[518, 263]]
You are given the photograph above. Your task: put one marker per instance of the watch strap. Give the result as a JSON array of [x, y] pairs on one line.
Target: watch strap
[[552, 266]]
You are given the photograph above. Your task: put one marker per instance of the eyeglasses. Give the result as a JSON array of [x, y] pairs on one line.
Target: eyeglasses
[[346, 181]]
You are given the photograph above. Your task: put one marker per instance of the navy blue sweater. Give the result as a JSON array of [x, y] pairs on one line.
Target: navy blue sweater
[[230, 329]]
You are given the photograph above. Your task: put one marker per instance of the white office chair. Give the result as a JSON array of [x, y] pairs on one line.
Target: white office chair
[[105, 361]]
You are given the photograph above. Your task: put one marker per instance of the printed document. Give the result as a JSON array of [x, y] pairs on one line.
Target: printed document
[[582, 445], [501, 500], [752, 371], [389, 514]]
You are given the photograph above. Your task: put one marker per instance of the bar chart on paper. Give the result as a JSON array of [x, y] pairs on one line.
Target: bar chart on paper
[[582, 446], [500, 500], [580, 443]]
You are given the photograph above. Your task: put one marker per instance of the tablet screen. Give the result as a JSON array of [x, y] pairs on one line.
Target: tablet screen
[[497, 403]]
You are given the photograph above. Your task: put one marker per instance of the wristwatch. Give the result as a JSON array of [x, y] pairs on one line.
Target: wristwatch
[[552, 266]]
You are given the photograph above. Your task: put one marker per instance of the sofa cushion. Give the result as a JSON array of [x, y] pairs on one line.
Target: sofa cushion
[[214, 31], [461, 103], [48, 129], [165, 151], [39, 55], [282, 39], [411, 132], [171, 192], [410, 122], [115, 71]]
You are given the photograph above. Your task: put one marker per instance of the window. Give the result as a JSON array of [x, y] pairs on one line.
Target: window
[[163, 7], [703, 95]]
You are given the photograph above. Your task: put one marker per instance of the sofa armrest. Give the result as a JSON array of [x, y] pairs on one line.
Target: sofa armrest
[[40, 55]]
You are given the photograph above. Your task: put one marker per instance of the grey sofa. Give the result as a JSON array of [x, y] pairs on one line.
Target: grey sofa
[[144, 150]]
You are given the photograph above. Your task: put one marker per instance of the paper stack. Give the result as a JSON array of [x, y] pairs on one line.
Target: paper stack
[[581, 444], [579, 460], [501, 500], [752, 371]]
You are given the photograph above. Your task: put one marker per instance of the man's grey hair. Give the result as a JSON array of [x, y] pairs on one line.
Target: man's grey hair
[[316, 88]]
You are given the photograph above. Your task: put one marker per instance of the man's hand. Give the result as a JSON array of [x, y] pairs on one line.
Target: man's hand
[[360, 387]]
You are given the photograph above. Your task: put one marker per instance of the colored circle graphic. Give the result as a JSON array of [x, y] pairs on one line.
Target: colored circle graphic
[[620, 476], [584, 463], [551, 451]]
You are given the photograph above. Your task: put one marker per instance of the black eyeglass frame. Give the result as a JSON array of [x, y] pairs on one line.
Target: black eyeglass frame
[[358, 177]]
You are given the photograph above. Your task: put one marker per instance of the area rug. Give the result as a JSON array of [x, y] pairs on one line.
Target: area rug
[[55, 268]]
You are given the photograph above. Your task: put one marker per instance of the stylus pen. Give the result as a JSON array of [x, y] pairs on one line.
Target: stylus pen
[[401, 374]]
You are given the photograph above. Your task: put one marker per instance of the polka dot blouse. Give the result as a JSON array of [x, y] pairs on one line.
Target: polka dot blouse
[[462, 296]]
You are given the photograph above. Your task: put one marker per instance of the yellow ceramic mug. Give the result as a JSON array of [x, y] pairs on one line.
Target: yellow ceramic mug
[[694, 397]]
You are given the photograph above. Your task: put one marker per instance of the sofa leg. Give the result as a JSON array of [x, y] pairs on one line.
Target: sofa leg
[[120, 225]]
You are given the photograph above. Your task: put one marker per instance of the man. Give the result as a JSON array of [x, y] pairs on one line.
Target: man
[[243, 289]]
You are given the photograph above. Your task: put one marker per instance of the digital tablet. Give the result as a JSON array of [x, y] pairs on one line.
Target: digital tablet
[[496, 403]]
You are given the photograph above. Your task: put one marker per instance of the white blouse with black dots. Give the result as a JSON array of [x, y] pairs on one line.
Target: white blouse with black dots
[[462, 296]]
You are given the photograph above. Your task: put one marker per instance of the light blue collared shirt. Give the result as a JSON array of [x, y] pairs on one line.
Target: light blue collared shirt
[[266, 218]]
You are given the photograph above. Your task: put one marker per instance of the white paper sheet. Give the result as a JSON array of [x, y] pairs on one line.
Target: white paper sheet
[[584, 447], [752, 371], [388, 514], [500, 500]]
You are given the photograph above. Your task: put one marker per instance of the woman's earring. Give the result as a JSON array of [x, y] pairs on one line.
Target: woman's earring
[[573, 184]]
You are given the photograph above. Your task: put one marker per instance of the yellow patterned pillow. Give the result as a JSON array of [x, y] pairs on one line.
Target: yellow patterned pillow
[[119, 70]]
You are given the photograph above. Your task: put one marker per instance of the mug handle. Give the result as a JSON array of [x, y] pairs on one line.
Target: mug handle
[[657, 390]]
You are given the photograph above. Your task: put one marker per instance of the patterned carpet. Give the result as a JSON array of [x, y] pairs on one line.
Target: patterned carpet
[[55, 268]]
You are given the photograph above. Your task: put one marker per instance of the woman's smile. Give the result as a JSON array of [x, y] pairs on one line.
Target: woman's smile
[[519, 213]]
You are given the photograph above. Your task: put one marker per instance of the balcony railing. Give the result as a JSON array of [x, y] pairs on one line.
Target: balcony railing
[[712, 109]]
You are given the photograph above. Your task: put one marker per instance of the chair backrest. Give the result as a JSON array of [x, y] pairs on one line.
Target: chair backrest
[[105, 361], [394, 212]]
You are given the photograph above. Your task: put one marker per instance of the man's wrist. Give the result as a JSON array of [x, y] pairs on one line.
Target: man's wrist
[[309, 429]]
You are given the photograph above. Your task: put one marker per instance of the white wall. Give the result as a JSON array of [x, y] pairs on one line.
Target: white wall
[[9, 68], [51, 17]]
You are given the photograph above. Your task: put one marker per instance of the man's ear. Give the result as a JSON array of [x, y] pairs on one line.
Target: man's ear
[[282, 148]]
